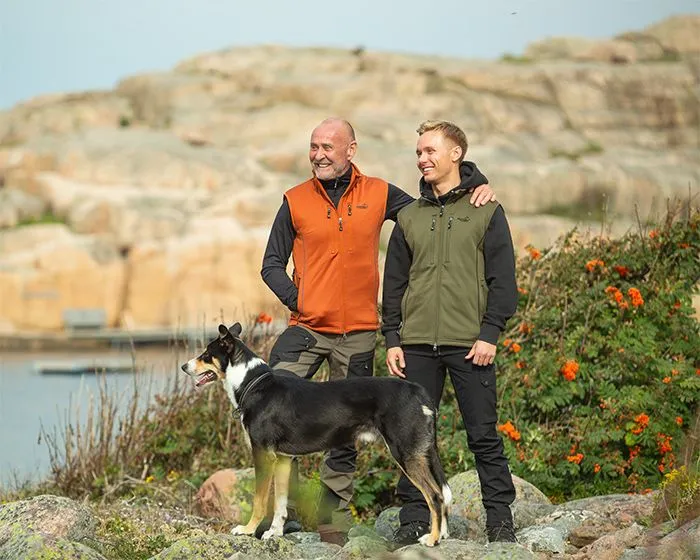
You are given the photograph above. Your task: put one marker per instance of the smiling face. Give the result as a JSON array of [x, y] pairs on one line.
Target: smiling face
[[211, 365], [331, 149], [438, 158]]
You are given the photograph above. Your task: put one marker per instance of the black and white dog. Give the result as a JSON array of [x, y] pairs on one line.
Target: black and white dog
[[284, 416]]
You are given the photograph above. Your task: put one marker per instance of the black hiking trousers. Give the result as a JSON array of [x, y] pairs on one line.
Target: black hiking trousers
[[475, 389]]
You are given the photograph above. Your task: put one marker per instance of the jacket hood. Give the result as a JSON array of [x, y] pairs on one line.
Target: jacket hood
[[470, 177]]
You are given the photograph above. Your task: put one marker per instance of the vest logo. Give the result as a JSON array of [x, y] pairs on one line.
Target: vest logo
[[362, 206], [463, 218]]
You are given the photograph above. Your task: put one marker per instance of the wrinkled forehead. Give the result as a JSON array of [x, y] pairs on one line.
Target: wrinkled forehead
[[330, 133]]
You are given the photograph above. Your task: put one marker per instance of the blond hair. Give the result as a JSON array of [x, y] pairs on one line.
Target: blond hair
[[448, 130]]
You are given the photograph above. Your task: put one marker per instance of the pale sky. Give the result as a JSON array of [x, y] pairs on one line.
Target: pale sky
[[51, 46]]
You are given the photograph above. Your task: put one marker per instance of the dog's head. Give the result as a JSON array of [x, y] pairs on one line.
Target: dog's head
[[220, 353]]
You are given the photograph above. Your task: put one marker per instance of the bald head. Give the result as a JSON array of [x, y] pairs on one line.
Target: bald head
[[342, 126], [332, 148]]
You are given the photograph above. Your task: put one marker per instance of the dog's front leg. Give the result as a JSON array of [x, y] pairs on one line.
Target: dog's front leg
[[264, 463], [283, 467]]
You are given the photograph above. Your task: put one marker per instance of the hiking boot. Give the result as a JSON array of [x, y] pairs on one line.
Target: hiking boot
[[501, 533], [332, 534], [410, 532], [290, 526]]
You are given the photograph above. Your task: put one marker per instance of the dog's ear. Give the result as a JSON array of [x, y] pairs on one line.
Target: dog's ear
[[235, 330], [226, 338]]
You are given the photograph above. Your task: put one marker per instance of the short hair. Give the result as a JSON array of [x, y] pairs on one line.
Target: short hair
[[448, 130]]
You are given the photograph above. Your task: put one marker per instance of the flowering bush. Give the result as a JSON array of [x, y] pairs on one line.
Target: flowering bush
[[606, 373]]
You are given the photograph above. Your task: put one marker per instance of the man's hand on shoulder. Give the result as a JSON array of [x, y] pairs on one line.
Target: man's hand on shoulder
[[395, 361], [482, 353], [482, 195]]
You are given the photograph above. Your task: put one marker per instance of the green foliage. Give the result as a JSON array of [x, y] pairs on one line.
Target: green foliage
[[590, 148], [47, 217], [598, 374], [516, 59]]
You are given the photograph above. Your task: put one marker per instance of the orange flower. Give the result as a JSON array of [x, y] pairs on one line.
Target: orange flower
[[664, 443], [683, 245], [507, 342], [642, 421], [679, 420], [596, 468], [674, 372], [591, 265], [653, 234], [636, 297], [634, 452], [623, 271], [616, 294], [525, 328], [509, 430], [661, 467], [515, 347], [263, 318], [569, 370], [666, 380], [522, 291], [534, 253], [575, 458], [520, 364]]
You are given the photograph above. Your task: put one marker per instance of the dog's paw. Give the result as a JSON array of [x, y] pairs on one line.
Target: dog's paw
[[427, 540], [271, 533], [241, 530]]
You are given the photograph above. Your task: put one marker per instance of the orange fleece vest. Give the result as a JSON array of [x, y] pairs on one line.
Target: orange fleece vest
[[335, 254]]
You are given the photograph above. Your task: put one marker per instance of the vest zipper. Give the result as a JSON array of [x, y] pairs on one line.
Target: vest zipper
[[340, 224], [447, 242], [328, 213], [438, 287], [349, 209]]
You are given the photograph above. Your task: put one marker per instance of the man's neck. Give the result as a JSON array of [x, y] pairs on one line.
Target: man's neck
[[447, 184]]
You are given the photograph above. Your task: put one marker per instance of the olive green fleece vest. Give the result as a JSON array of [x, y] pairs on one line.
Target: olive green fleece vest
[[446, 295]]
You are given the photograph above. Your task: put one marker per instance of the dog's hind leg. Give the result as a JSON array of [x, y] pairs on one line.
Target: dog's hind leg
[[439, 476], [283, 466], [264, 463], [418, 471]]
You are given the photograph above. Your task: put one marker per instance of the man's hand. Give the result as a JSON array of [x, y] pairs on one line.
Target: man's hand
[[482, 195], [482, 353], [395, 361]]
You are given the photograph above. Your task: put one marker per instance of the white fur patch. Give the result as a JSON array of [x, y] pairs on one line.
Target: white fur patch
[[427, 410], [235, 374], [367, 437], [446, 494], [190, 366]]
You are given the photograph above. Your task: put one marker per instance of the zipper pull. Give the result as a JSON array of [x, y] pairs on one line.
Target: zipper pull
[[349, 210], [340, 224], [449, 223], [328, 213], [432, 226], [434, 347], [442, 210]]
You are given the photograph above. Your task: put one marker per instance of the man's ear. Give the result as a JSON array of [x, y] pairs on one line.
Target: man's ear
[[235, 330], [456, 153]]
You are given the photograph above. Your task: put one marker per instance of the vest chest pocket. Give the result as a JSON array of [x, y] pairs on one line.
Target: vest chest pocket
[[457, 231]]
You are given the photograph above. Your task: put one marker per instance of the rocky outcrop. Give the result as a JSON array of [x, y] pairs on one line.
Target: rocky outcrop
[[177, 175], [601, 527]]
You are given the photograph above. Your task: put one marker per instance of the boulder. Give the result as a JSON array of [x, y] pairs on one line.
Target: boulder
[[222, 495]]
